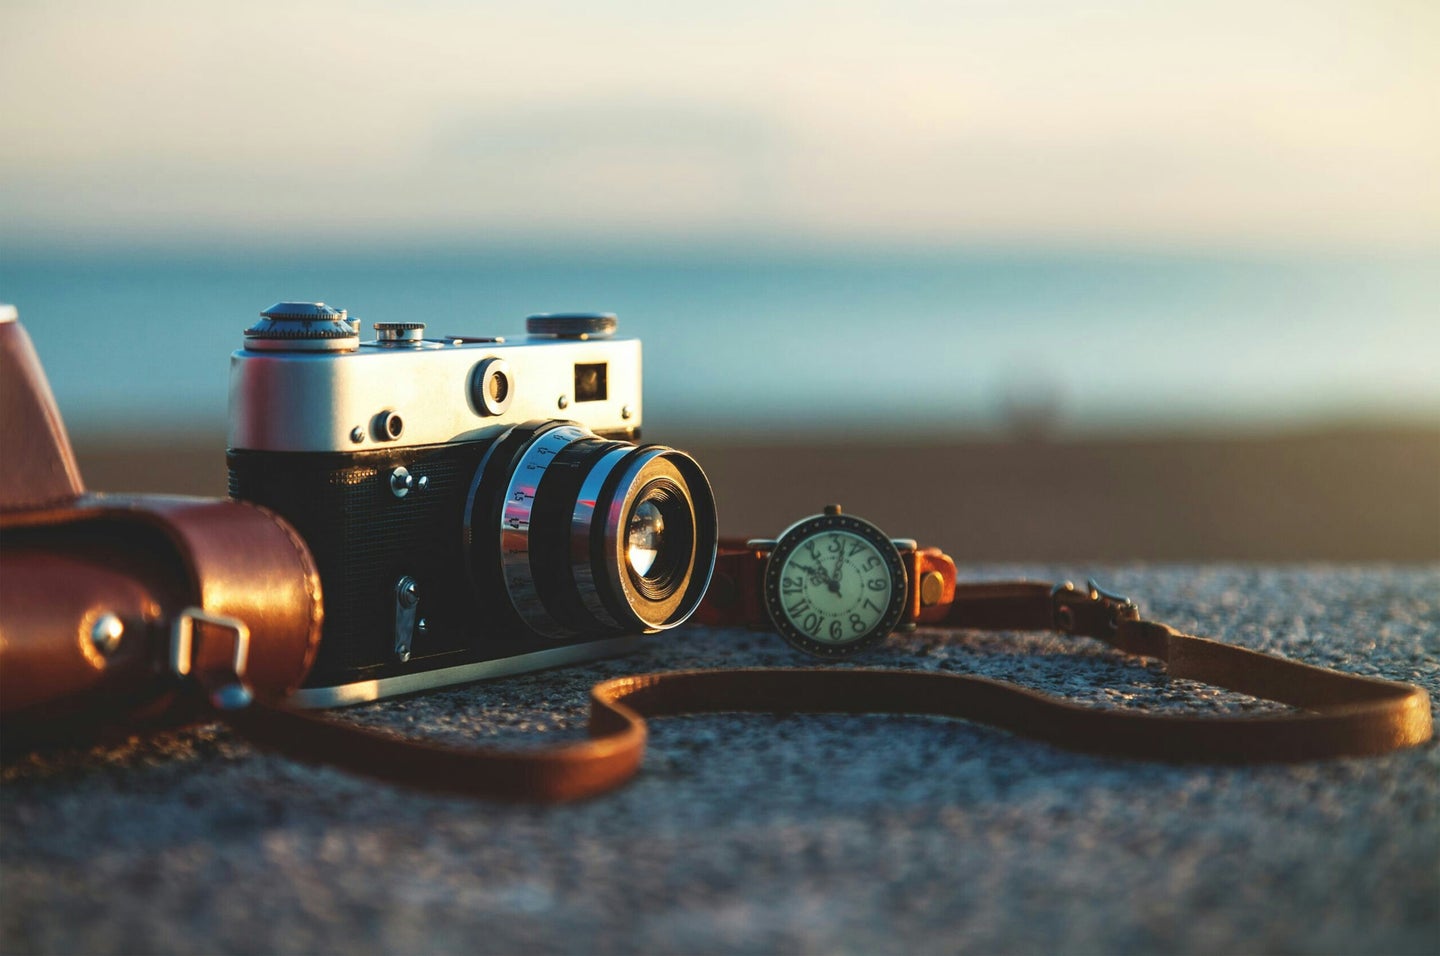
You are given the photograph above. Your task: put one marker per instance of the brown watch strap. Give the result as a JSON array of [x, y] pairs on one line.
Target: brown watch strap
[[1339, 714], [737, 590]]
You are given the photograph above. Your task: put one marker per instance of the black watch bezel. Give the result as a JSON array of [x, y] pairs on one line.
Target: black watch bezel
[[807, 528]]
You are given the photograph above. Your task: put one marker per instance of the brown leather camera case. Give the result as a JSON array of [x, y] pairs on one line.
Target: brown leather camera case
[[92, 586]]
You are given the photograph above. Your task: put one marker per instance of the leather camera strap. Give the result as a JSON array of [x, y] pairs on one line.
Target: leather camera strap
[[245, 571], [1337, 714]]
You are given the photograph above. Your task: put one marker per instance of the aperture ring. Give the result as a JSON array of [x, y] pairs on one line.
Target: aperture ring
[[515, 517]]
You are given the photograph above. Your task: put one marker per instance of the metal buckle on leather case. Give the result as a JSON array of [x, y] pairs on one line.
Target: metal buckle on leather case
[[230, 691]]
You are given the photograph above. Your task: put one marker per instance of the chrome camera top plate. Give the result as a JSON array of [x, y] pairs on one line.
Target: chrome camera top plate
[[401, 390]]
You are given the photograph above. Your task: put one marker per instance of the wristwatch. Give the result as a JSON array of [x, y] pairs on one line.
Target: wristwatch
[[832, 584]]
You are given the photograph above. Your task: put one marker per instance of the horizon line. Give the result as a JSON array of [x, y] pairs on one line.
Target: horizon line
[[737, 247]]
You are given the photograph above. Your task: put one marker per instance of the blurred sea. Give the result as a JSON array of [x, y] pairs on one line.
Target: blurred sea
[[836, 343]]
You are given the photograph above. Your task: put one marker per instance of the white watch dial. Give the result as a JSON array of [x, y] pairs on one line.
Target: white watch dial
[[835, 587]]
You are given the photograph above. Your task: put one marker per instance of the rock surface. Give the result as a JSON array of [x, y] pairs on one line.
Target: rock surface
[[760, 834]]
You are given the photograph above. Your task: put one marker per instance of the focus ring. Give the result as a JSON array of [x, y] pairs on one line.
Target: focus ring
[[581, 525]]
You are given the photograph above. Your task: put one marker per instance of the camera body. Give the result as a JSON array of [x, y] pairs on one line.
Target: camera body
[[476, 507]]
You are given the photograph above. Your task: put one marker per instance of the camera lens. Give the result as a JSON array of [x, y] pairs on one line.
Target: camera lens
[[581, 535]]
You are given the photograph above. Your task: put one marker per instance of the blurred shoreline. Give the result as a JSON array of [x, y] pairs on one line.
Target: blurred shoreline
[[1342, 494]]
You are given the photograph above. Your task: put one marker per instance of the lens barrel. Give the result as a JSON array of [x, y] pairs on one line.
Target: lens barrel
[[585, 535]]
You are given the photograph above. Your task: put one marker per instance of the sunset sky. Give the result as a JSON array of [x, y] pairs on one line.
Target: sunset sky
[[1238, 125]]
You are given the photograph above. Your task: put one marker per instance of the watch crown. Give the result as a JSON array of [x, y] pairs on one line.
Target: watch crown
[[832, 509]]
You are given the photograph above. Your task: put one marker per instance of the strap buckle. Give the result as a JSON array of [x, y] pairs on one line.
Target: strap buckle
[[232, 693], [1072, 606]]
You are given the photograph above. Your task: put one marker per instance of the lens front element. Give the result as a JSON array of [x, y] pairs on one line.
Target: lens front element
[[661, 539], [669, 483], [647, 536]]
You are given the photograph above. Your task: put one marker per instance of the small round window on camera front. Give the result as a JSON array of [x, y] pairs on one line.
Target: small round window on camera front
[[389, 425], [491, 387]]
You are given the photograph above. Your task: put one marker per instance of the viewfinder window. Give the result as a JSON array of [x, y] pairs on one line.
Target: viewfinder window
[[590, 383]]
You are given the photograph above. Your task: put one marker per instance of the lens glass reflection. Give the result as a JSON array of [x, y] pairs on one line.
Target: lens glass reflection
[[645, 536]]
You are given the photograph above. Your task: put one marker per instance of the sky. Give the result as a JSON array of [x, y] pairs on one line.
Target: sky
[[1263, 124]]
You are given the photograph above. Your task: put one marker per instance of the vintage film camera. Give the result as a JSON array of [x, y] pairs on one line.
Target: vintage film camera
[[462, 530]]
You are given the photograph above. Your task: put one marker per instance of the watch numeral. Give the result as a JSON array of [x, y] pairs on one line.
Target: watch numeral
[[877, 584], [874, 560], [812, 624], [836, 631], [873, 606], [798, 607], [855, 549], [858, 622]]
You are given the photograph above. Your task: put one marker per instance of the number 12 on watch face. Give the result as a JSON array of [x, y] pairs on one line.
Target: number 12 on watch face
[[834, 588]]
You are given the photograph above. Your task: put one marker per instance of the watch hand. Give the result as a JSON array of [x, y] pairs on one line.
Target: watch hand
[[813, 572]]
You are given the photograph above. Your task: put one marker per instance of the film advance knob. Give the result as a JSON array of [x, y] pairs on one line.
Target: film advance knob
[[572, 325], [399, 331], [302, 327]]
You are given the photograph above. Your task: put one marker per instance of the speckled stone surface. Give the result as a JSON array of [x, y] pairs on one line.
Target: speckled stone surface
[[754, 834]]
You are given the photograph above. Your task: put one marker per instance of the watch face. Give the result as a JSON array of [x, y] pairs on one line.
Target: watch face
[[834, 585]]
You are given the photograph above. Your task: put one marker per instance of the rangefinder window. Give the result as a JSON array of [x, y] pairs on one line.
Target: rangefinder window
[[590, 382]]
